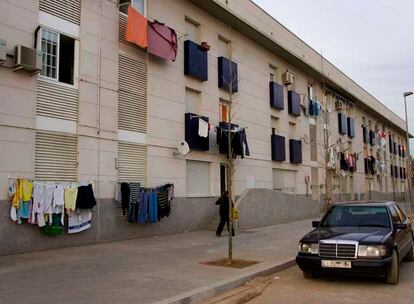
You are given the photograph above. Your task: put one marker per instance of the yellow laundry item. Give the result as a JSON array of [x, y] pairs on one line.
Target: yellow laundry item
[[70, 198], [27, 187], [18, 194]]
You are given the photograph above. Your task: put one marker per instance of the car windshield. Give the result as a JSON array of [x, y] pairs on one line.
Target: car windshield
[[356, 216]]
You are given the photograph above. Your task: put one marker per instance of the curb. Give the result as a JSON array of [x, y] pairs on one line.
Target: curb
[[204, 293]]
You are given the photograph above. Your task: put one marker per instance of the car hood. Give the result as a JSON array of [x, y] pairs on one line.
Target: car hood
[[359, 234]]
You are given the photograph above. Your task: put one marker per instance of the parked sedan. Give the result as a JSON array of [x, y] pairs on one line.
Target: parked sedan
[[359, 238]]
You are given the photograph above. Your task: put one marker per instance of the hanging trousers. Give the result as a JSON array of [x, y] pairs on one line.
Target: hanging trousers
[[223, 220]]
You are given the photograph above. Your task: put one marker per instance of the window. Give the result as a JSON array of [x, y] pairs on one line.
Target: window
[[224, 110], [310, 92], [223, 46], [272, 73], [284, 180], [139, 5], [198, 178], [394, 215], [58, 56], [313, 142], [192, 29], [193, 102]]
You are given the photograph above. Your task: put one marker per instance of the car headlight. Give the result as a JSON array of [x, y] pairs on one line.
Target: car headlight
[[372, 251], [310, 248]]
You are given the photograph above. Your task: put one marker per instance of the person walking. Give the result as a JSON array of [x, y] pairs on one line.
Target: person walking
[[223, 202]]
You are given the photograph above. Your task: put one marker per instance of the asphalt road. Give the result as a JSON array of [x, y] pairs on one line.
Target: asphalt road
[[289, 286]]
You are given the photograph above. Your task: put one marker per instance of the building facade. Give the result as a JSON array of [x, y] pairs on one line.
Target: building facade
[[103, 110]]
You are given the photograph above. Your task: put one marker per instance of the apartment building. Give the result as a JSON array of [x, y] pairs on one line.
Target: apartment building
[[103, 110]]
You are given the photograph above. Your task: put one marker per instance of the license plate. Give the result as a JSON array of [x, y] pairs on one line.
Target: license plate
[[336, 264]]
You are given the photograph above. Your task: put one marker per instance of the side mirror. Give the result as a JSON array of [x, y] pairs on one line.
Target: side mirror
[[401, 226], [315, 224]]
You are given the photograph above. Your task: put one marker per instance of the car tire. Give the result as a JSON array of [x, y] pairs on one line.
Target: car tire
[[394, 272], [307, 275], [410, 256]]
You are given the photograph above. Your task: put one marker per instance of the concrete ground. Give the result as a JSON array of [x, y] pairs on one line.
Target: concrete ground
[[290, 287], [160, 269]]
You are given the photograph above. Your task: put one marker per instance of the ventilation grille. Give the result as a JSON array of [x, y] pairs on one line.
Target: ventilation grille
[[69, 10], [132, 163], [198, 178], [56, 157], [132, 96], [57, 101]]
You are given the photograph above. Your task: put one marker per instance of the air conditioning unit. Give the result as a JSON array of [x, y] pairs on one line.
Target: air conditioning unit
[[339, 104], [3, 51], [27, 59], [287, 78]]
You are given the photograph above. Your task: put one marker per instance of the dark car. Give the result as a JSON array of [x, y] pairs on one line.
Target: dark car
[[358, 238]]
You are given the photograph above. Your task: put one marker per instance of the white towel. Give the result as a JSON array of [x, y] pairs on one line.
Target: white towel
[[202, 128]]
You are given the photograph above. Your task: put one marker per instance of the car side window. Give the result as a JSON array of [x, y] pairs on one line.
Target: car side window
[[401, 213], [394, 215]]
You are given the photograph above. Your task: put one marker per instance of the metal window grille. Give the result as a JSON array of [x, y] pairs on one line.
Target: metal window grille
[[132, 163], [57, 101], [132, 95], [198, 178], [69, 10], [56, 157]]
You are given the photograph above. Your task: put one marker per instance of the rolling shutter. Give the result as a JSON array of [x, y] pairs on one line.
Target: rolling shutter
[[132, 96], [284, 180], [198, 178], [57, 101], [132, 163], [56, 156], [69, 10]]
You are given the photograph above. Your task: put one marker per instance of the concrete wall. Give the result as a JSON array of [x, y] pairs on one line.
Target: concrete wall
[[187, 215], [261, 207]]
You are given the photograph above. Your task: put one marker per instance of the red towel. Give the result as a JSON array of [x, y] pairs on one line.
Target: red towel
[[162, 41], [137, 28]]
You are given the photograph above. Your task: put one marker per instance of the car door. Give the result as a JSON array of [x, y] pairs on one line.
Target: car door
[[407, 221], [400, 235]]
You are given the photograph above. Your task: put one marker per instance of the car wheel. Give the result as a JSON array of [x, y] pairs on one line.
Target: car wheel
[[410, 255], [394, 272], [307, 274]]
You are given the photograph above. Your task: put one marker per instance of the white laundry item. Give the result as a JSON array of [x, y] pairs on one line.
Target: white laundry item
[[13, 214], [48, 201], [79, 220], [118, 194], [38, 204], [202, 127], [58, 201]]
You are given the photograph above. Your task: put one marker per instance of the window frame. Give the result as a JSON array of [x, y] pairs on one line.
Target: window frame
[[57, 52], [223, 104], [75, 57], [130, 3]]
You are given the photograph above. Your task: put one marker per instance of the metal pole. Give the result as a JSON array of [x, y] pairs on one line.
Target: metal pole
[[407, 161]]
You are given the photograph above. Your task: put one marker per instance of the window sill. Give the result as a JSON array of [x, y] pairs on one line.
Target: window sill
[[54, 81]]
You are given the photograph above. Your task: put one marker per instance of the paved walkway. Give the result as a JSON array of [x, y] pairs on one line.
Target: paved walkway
[[159, 269]]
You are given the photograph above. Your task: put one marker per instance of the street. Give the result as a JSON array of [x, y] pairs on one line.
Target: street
[[289, 286]]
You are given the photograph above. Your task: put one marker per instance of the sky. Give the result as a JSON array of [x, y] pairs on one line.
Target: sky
[[371, 41]]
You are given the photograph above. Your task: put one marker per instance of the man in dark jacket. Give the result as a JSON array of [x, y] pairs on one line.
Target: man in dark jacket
[[223, 202]]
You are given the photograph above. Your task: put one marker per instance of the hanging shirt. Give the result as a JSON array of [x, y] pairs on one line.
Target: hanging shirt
[[202, 128], [85, 198], [70, 196], [59, 202], [38, 205], [137, 28], [162, 41]]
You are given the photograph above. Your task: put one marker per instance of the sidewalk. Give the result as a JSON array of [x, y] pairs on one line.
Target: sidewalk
[[164, 269]]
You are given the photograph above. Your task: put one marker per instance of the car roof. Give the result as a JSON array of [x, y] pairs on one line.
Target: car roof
[[364, 203]]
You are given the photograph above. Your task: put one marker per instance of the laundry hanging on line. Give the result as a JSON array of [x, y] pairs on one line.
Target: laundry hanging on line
[[45, 204], [239, 145], [159, 39], [145, 205]]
